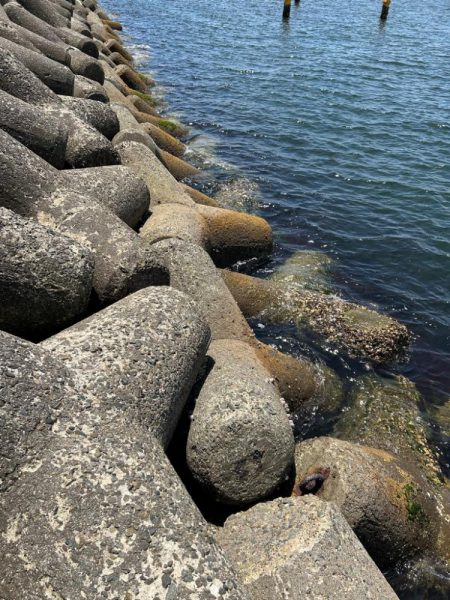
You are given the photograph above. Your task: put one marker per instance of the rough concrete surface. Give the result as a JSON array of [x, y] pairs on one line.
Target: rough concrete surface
[[300, 548]]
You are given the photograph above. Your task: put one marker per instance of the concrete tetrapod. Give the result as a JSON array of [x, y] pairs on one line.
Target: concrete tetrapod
[[253, 465], [45, 277], [387, 504], [163, 187], [362, 332], [385, 413], [300, 547], [199, 197], [192, 271], [32, 188], [240, 442], [228, 236], [115, 187], [85, 146], [19, 15], [88, 89], [94, 113], [164, 140], [43, 133], [47, 11], [97, 509], [77, 61], [57, 77], [145, 350]]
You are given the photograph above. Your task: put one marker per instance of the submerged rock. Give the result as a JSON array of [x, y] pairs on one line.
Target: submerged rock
[[300, 547], [307, 269], [384, 413], [361, 332]]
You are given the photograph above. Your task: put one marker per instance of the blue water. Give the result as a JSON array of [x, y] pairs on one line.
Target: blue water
[[344, 125]]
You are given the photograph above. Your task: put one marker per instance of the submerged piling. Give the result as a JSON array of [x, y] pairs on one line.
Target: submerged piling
[[287, 9], [385, 10]]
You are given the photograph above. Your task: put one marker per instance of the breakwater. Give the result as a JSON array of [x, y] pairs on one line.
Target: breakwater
[[120, 308]]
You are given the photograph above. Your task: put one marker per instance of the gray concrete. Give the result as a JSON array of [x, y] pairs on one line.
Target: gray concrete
[[164, 188], [300, 548], [240, 446], [226, 235], [91, 506], [31, 187], [86, 147], [47, 11], [57, 77], [88, 89], [18, 14], [45, 277], [83, 43], [137, 350], [98, 115], [117, 188], [77, 61], [20, 82], [43, 133]]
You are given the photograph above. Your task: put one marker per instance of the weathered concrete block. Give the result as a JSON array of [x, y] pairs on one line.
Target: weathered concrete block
[[159, 340], [130, 130], [85, 146], [199, 197], [9, 32], [31, 187], [98, 115], [43, 133], [164, 140], [47, 11], [78, 40], [57, 77], [20, 82], [97, 509], [361, 332], [116, 188], [383, 501], [240, 446], [384, 413], [35, 387], [131, 78], [179, 168], [192, 271], [162, 185], [45, 277], [292, 548], [88, 89], [116, 46], [57, 50], [227, 235]]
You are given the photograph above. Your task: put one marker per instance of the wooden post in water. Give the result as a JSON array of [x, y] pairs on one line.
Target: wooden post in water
[[287, 9], [297, 2], [385, 9]]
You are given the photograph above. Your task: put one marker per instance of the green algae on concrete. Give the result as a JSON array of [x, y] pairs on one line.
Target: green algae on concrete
[[384, 413]]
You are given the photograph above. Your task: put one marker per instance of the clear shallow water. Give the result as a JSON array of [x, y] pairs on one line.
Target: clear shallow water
[[338, 130]]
